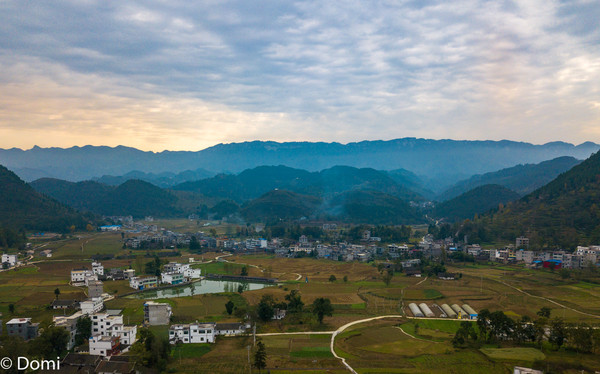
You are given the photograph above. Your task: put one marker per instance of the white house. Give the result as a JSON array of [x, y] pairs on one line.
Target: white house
[[97, 268], [192, 333], [92, 305], [102, 323], [80, 277], [10, 259], [127, 334], [142, 283], [104, 345], [172, 278]]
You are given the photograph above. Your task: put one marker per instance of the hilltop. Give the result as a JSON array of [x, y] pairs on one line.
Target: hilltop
[[22, 207]]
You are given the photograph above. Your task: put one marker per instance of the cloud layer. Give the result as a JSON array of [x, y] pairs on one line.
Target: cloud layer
[[184, 75]]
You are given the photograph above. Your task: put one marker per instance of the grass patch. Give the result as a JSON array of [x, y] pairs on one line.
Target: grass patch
[[312, 352], [514, 354], [190, 350]]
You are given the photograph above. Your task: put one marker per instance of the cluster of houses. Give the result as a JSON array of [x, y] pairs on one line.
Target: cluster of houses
[[173, 273], [558, 259]]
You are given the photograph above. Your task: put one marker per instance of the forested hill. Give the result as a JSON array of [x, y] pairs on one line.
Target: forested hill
[[134, 197], [478, 200], [522, 179], [327, 183], [21, 207], [565, 212]]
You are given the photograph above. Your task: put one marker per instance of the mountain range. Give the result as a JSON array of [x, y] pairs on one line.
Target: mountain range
[[522, 179], [440, 163], [565, 212]]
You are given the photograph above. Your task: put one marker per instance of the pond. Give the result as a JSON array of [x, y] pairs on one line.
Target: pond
[[197, 288]]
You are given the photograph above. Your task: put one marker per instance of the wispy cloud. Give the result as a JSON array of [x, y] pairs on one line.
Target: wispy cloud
[[185, 75]]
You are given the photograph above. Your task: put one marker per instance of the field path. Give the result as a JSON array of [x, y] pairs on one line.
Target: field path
[[550, 301], [420, 282], [414, 337], [341, 329]]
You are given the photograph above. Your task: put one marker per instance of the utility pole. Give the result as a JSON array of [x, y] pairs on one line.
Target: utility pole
[[249, 365], [254, 333]]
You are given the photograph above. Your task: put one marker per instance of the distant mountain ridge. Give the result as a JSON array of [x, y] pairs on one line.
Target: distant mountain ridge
[[522, 179], [445, 161]]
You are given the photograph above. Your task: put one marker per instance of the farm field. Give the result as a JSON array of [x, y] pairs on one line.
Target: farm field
[[398, 345]]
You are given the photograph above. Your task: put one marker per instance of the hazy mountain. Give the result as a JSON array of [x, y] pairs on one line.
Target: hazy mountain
[[443, 161], [478, 200], [164, 179], [522, 179], [22, 207], [252, 183], [564, 213], [411, 181]]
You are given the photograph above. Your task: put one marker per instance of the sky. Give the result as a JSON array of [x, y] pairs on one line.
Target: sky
[[185, 75]]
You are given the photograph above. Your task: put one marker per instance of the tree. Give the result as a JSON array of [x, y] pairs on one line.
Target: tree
[[581, 337], [260, 356], [321, 307], [544, 312], [265, 309], [294, 300], [56, 293], [387, 277], [565, 273], [84, 330], [151, 351], [11, 308], [345, 278], [229, 307], [13, 347], [244, 271], [51, 343], [464, 334], [483, 323], [332, 278], [558, 332]]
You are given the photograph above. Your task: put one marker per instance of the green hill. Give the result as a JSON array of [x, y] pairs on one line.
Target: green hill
[[522, 179], [22, 207], [565, 212], [134, 197], [478, 200], [372, 207], [280, 204], [253, 183]]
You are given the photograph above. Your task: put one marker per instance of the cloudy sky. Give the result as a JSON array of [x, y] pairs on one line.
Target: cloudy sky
[[187, 75]]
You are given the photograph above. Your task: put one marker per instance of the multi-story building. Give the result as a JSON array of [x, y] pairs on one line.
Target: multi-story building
[[11, 260], [22, 327], [91, 306], [80, 277], [522, 242], [104, 345], [192, 333], [127, 334], [142, 283], [70, 324], [172, 278], [97, 268], [157, 313], [129, 273], [102, 323], [95, 289], [525, 256]]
